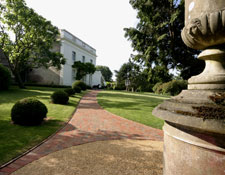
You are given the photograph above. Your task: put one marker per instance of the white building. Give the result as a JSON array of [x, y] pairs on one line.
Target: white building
[[73, 50]]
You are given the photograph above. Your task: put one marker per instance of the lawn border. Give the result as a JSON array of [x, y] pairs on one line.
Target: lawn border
[[124, 117], [43, 141]]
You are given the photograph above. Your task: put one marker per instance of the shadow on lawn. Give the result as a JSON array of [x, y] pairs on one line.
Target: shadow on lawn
[[142, 99], [23, 138], [129, 105], [15, 95]]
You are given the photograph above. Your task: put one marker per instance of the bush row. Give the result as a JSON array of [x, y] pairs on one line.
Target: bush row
[[30, 111], [173, 87]]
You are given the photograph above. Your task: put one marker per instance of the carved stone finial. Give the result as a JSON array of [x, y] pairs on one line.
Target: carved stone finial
[[205, 31], [204, 23]]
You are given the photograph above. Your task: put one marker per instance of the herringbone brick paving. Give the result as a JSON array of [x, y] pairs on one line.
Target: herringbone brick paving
[[90, 123]]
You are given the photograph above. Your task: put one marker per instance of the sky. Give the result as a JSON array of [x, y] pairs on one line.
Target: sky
[[99, 23]]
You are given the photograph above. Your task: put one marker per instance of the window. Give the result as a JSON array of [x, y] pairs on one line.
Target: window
[[83, 59], [91, 61], [74, 56]]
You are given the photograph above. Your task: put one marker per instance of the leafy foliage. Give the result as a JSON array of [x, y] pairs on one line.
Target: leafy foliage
[[157, 37], [60, 97], [83, 69], [80, 84], [106, 72], [77, 89], [5, 78], [139, 78], [33, 40], [157, 88], [69, 91], [28, 112], [173, 87]]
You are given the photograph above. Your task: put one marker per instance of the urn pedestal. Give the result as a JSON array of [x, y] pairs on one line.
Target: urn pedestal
[[194, 129], [194, 133]]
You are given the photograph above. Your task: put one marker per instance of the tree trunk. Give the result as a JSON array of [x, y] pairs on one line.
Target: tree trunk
[[19, 80], [14, 72]]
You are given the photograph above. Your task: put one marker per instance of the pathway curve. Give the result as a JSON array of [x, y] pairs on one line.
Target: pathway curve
[[90, 123]]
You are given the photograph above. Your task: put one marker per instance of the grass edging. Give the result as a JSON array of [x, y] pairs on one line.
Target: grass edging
[[43, 141]]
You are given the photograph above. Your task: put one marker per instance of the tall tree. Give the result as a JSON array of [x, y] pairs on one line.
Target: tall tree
[[106, 72], [157, 37], [132, 72], [33, 39]]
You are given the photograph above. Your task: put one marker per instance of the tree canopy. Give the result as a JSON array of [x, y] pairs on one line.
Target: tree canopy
[[106, 72], [139, 77], [33, 38], [157, 37], [83, 69]]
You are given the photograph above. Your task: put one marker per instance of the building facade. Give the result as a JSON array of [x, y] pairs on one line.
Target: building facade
[[73, 49]]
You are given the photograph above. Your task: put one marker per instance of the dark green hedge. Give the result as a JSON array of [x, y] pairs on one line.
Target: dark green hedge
[[5, 78], [28, 112], [60, 97], [81, 84]]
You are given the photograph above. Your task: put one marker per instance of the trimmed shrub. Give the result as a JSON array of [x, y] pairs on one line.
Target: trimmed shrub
[[157, 88], [28, 112], [174, 87], [60, 97], [69, 91], [77, 89], [147, 88], [109, 88], [81, 84], [88, 87], [120, 88], [5, 78]]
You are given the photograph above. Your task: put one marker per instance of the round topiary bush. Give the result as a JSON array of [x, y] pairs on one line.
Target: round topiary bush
[[60, 97], [69, 91], [81, 84], [5, 78], [28, 112], [77, 89]]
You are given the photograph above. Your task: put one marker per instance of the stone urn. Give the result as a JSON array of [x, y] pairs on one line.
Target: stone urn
[[194, 129]]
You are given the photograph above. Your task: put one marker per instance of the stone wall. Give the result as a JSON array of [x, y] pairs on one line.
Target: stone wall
[[45, 76]]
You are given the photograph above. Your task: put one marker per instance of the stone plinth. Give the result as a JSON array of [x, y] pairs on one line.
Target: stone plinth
[[187, 152], [194, 133], [194, 130]]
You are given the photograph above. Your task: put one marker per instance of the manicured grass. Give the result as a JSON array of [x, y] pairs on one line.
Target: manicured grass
[[15, 139], [133, 106]]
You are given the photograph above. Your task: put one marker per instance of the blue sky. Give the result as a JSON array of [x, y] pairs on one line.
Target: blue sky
[[99, 23]]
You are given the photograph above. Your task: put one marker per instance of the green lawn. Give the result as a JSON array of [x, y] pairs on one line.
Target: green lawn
[[133, 106], [15, 139]]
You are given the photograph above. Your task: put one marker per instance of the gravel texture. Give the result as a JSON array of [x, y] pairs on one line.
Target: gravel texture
[[116, 157]]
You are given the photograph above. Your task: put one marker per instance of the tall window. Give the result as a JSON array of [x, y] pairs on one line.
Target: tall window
[[91, 61], [83, 59], [74, 56]]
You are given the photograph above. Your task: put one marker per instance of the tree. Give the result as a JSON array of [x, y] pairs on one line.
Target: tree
[[34, 36], [132, 72], [157, 37], [106, 72], [158, 74], [83, 69]]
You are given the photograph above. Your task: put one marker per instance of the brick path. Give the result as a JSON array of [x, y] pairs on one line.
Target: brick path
[[90, 123]]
